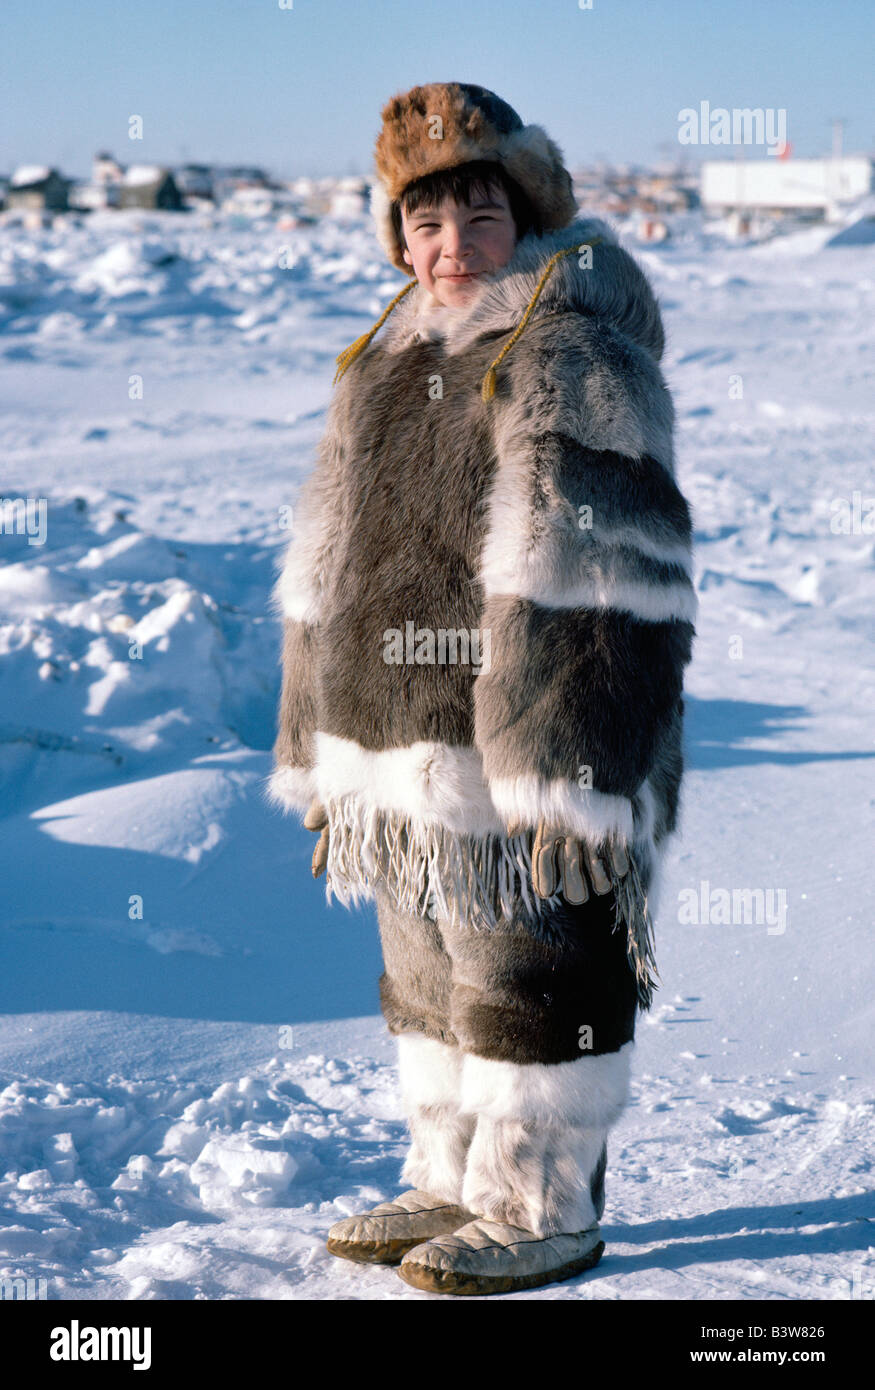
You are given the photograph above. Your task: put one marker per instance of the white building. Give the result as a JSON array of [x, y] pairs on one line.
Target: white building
[[774, 185]]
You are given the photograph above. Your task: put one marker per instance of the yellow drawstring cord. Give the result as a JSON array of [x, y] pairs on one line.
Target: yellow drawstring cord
[[350, 353], [487, 390]]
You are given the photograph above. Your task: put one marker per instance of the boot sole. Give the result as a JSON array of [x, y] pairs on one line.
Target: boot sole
[[468, 1285], [389, 1252]]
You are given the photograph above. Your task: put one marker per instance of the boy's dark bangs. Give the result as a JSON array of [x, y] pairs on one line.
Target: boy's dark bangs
[[463, 184]]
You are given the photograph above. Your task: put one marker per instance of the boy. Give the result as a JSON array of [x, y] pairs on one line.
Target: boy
[[496, 475]]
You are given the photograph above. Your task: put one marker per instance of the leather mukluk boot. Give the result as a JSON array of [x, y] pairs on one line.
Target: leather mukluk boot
[[534, 1176], [430, 1075]]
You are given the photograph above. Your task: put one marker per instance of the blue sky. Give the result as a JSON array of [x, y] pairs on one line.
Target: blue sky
[[300, 90]]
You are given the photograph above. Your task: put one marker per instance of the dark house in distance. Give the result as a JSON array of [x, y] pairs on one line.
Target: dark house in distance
[[149, 186]]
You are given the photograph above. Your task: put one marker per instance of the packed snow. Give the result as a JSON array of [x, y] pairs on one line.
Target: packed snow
[[195, 1080]]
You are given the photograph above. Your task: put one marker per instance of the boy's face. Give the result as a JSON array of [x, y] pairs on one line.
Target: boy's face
[[451, 247]]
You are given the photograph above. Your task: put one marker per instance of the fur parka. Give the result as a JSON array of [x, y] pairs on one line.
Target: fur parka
[[488, 604]]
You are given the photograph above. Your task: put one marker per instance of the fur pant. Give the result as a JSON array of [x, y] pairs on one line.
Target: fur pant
[[514, 1047]]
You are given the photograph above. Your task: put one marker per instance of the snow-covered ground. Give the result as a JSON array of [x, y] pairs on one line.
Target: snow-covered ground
[[194, 1077]]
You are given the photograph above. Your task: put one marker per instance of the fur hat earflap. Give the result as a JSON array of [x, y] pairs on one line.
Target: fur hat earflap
[[444, 124]]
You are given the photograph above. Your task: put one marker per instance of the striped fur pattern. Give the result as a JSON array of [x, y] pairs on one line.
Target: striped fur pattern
[[548, 518]]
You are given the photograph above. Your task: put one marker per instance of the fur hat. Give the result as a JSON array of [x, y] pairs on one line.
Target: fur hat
[[443, 124]]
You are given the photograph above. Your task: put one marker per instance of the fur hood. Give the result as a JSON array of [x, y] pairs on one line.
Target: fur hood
[[615, 291]]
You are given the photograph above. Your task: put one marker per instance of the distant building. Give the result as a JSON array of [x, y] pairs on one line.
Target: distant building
[[261, 202], [93, 197], [246, 191], [36, 188], [106, 169], [249, 202], [227, 181], [779, 186], [149, 186], [195, 183], [102, 190]]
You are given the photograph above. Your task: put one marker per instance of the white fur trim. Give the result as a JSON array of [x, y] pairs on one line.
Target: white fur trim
[[429, 1071], [297, 593], [435, 1162], [430, 1075], [381, 214], [294, 598], [318, 521], [590, 1092], [430, 783], [291, 788], [533, 1178], [539, 1136], [582, 811], [423, 819], [671, 602], [422, 816]]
